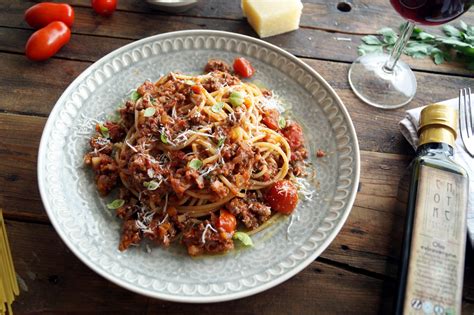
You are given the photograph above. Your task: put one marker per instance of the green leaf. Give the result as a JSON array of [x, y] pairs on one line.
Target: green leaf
[[438, 58], [463, 26], [150, 111], [281, 122], [117, 203], [195, 164], [371, 40], [453, 42], [387, 31], [221, 142], [163, 138], [135, 96], [243, 237], [425, 36], [217, 107], [104, 131], [236, 99], [451, 31], [416, 30], [368, 49], [151, 185], [470, 30]]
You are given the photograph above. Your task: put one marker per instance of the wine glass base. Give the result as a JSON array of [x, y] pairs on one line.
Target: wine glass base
[[377, 86]]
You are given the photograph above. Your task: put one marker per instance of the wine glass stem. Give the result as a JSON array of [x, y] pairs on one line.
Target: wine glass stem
[[399, 46]]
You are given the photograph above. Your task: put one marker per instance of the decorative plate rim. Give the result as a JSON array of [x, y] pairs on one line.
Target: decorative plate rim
[[195, 299]]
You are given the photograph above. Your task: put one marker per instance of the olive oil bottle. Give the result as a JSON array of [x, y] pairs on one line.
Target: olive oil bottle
[[432, 259]]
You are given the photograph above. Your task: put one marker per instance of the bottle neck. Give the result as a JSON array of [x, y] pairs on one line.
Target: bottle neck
[[435, 148]]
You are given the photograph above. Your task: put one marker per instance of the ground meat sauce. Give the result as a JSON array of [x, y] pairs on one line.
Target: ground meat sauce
[[174, 103]]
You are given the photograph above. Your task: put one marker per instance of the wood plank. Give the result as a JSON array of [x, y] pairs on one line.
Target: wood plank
[[362, 243], [124, 25], [377, 129], [56, 281], [364, 16]]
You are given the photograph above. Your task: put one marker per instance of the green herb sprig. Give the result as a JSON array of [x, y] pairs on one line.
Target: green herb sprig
[[457, 44]]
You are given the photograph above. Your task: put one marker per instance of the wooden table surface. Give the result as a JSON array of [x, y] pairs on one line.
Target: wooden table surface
[[355, 274]]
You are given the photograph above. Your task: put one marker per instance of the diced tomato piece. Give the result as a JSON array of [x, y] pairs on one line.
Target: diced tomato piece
[[243, 67], [226, 222], [294, 134], [270, 118], [282, 197], [196, 89]]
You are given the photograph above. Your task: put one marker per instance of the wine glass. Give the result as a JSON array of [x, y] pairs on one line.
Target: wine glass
[[382, 80]]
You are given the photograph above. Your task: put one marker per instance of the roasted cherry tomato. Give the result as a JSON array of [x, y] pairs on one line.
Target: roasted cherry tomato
[[243, 67], [282, 197], [226, 222], [104, 7], [45, 42], [294, 134], [270, 118], [42, 14]]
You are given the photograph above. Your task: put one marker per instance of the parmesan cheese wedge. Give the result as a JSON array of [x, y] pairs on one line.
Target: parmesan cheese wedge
[[272, 17]]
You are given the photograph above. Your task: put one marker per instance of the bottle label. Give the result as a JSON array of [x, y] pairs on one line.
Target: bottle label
[[436, 264]]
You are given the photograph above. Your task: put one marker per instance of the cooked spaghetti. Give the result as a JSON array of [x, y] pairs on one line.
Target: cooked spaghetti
[[197, 157]]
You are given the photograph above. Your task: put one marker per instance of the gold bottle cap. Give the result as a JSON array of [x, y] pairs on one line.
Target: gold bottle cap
[[438, 123]]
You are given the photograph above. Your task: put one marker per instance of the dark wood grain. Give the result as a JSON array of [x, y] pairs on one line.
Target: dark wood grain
[[310, 43], [68, 286], [354, 275], [25, 91], [363, 17]]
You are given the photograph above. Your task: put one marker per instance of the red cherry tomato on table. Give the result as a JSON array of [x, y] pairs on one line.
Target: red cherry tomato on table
[[45, 42], [282, 197], [104, 7], [42, 14], [226, 222], [243, 67]]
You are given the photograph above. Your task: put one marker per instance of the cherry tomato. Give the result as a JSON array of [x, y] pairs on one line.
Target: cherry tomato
[[294, 134], [243, 67], [226, 221], [45, 42], [271, 118], [282, 197], [104, 7], [42, 14]]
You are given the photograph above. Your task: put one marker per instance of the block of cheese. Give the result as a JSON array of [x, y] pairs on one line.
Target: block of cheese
[[272, 17]]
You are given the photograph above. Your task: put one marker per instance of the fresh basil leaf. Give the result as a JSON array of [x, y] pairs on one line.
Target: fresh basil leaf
[[367, 49], [425, 36], [104, 131], [221, 142], [243, 237], [371, 40], [134, 96], [151, 185], [281, 122], [463, 26], [236, 99], [451, 31], [195, 164], [438, 58], [150, 111], [117, 203], [387, 31], [216, 108], [163, 138], [454, 42]]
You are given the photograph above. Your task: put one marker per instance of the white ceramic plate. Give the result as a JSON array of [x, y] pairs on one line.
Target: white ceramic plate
[[92, 233]]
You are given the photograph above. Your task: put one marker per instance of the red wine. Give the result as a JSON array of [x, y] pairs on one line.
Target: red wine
[[431, 12]]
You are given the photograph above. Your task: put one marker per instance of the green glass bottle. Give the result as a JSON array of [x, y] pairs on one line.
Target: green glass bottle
[[432, 259]]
